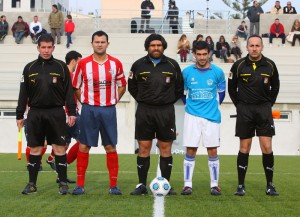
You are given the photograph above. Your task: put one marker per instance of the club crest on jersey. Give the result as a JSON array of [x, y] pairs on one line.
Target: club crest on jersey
[[54, 80], [168, 80], [209, 82], [266, 80]]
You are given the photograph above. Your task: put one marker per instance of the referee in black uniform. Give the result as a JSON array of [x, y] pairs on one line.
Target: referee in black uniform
[[253, 86], [46, 87], [156, 83]]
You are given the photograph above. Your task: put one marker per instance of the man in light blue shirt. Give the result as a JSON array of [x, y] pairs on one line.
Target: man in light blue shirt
[[205, 86]]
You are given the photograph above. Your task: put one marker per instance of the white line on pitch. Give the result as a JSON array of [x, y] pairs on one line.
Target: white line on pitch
[[159, 202]]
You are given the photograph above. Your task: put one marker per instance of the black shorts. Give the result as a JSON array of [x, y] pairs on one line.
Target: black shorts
[[155, 122], [254, 118], [50, 123]]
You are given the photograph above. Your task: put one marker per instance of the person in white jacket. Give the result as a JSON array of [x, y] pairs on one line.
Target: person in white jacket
[[35, 29]]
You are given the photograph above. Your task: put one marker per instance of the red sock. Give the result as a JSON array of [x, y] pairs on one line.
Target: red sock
[[27, 153], [43, 151], [51, 156], [112, 163], [82, 164], [72, 154]]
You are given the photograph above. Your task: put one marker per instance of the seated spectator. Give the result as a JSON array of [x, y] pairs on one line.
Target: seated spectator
[[288, 9], [277, 9], [69, 29], [223, 49], [3, 27], [183, 47], [242, 30], [296, 31], [35, 29], [198, 38], [277, 31], [20, 29], [211, 47], [235, 47]]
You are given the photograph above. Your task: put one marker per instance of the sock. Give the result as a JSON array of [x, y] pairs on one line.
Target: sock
[[242, 165], [43, 151], [33, 167], [27, 153], [214, 167], [188, 170], [61, 167], [72, 153], [112, 163], [143, 165], [166, 164], [268, 164], [51, 156], [82, 164]]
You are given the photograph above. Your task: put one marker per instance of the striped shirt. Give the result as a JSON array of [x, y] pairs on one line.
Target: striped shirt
[[99, 82]]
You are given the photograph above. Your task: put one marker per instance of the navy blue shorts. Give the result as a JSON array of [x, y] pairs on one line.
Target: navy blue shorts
[[73, 132], [95, 119]]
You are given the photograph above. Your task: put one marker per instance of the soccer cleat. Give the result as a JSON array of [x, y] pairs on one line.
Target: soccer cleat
[[216, 191], [52, 164], [240, 190], [140, 189], [114, 191], [271, 191], [171, 192], [78, 190], [63, 188], [29, 189], [67, 180], [186, 190]]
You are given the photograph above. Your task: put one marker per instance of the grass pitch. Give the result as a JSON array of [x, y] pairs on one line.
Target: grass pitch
[[97, 202]]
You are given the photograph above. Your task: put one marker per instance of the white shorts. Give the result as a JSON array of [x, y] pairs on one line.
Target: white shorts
[[197, 127]]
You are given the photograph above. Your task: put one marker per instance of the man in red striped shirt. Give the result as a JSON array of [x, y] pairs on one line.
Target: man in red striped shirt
[[99, 84]]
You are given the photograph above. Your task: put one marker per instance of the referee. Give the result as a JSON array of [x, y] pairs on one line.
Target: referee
[[46, 87], [156, 83], [253, 86]]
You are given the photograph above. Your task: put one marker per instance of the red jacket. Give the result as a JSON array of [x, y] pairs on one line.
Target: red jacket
[[273, 28], [69, 26]]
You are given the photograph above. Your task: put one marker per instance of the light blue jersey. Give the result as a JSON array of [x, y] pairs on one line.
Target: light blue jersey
[[202, 86]]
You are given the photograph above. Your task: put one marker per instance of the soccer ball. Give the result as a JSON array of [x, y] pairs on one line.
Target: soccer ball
[[160, 187]]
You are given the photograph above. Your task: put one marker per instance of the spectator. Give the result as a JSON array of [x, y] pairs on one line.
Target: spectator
[[235, 46], [3, 27], [223, 49], [146, 7], [173, 17], [20, 29], [277, 31], [198, 38], [253, 15], [296, 31], [242, 30], [69, 29], [277, 9], [211, 47], [55, 20], [288, 9], [183, 47], [36, 29]]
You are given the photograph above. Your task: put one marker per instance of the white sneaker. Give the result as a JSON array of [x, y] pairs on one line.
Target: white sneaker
[[283, 45], [271, 45]]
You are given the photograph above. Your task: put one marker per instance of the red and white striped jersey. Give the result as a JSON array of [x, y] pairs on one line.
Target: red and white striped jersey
[[99, 82]]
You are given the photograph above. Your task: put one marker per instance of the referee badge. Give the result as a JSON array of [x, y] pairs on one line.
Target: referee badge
[[266, 80], [168, 80], [54, 80]]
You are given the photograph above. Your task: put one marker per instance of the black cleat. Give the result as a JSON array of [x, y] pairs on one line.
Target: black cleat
[[240, 190], [171, 192], [140, 189], [29, 189], [67, 180], [271, 191], [216, 191], [52, 164], [63, 188], [186, 190]]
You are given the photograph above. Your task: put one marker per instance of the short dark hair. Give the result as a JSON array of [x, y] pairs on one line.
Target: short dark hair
[[55, 6], [69, 16], [2, 16], [100, 33], [45, 38], [20, 17], [254, 36], [199, 36], [200, 45], [72, 55], [154, 37]]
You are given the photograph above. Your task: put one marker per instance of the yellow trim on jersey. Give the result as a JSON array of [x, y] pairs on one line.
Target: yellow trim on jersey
[[245, 74], [33, 75], [54, 74], [266, 75], [168, 73], [142, 73]]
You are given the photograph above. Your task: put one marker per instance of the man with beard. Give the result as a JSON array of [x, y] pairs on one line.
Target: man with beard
[[156, 83]]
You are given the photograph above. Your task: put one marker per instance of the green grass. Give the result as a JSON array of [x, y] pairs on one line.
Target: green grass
[[97, 202]]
